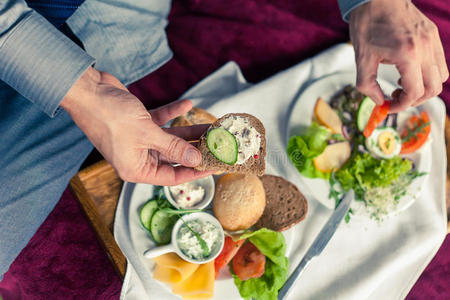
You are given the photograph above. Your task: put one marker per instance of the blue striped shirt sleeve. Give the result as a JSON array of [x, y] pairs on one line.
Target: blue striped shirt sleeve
[[36, 59], [346, 6]]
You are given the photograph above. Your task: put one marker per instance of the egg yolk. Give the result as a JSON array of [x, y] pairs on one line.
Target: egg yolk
[[386, 142]]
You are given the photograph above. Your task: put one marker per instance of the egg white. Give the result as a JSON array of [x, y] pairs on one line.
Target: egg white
[[374, 148]]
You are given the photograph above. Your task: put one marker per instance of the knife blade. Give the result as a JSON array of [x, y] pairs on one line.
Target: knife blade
[[322, 239]]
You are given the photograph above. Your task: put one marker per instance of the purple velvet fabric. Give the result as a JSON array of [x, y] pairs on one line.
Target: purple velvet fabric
[[64, 259]]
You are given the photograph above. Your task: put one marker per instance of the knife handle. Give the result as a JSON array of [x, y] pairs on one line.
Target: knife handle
[[282, 294]]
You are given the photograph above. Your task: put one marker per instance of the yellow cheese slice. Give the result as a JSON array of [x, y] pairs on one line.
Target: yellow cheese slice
[[199, 296], [170, 268], [201, 282]]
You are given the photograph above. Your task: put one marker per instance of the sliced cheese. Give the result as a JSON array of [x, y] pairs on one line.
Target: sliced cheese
[[170, 268], [201, 282], [199, 296]]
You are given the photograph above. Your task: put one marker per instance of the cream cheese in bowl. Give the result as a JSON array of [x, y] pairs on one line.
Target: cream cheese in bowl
[[187, 194], [195, 194], [189, 244]]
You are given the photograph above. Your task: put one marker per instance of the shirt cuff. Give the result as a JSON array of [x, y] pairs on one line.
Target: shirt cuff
[[41, 63], [127, 39], [346, 6]]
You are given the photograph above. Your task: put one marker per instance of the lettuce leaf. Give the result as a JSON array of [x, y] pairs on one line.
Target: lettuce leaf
[[273, 246], [304, 148], [362, 172]]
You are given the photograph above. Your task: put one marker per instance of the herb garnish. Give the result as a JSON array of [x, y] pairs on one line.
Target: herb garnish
[[201, 241], [411, 133]]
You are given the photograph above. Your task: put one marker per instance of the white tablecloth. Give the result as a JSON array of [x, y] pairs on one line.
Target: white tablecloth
[[364, 259]]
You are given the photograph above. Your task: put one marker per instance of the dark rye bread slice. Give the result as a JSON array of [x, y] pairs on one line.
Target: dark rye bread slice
[[253, 165], [285, 204]]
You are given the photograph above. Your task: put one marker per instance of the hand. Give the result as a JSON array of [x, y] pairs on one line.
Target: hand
[[129, 136], [396, 32]]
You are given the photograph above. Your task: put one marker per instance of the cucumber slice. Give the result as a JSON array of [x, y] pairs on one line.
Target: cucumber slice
[[223, 145], [146, 213], [364, 112], [161, 226]]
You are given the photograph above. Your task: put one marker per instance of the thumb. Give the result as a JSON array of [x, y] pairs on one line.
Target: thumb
[[366, 79], [175, 149]]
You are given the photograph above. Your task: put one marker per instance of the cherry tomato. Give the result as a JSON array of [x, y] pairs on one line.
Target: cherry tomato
[[249, 262], [378, 115], [230, 248]]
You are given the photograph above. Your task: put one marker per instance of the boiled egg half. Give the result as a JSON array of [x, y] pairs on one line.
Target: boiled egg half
[[384, 142]]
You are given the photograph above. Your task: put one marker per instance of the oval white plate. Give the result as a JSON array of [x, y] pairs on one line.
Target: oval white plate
[[301, 117], [140, 241]]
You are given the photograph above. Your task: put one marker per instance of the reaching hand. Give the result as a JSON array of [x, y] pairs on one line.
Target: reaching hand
[[129, 136], [396, 32]]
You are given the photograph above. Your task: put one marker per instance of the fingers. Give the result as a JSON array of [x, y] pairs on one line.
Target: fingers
[[432, 83], [413, 86], [164, 114], [439, 57], [168, 175], [366, 82], [188, 133], [175, 149]]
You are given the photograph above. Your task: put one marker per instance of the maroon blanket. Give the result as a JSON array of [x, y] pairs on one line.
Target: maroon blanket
[[64, 259]]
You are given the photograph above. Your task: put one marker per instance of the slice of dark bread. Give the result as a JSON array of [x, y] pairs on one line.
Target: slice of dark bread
[[193, 117], [285, 204], [253, 165]]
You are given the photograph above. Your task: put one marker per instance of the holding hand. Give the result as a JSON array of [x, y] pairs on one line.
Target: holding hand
[[396, 32], [129, 136]]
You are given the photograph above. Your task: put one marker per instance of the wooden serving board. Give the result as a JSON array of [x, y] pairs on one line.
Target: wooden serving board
[[98, 187]]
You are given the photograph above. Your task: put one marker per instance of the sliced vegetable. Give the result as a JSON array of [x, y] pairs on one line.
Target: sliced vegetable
[[230, 248], [302, 150], [364, 112], [327, 116], [416, 133], [223, 145], [146, 213], [378, 115], [273, 245], [249, 262], [333, 157], [161, 226]]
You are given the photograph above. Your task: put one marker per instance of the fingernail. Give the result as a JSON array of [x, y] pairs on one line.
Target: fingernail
[[192, 157]]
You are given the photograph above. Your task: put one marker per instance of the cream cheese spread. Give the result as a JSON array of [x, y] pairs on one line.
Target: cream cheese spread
[[189, 243], [248, 139], [187, 194]]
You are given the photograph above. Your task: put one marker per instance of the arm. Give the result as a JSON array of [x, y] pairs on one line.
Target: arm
[[35, 58], [129, 136], [127, 38], [396, 32], [49, 69]]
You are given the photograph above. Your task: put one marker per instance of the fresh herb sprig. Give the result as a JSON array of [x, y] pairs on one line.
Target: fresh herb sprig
[[411, 133], [201, 241]]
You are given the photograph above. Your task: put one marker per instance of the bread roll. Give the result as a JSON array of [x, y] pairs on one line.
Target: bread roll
[[239, 201]]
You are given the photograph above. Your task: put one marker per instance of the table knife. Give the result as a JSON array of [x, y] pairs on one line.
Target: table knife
[[319, 243]]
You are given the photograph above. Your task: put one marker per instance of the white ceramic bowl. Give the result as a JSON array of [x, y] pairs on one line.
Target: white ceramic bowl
[[174, 247], [207, 183]]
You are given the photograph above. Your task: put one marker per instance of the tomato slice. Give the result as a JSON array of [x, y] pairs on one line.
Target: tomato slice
[[230, 248], [420, 129], [378, 115], [249, 262]]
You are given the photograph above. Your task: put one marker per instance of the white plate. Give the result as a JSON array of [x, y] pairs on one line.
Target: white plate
[[134, 197], [301, 117]]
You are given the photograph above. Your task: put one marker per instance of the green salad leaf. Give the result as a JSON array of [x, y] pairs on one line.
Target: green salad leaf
[[273, 246], [363, 172], [304, 148]]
